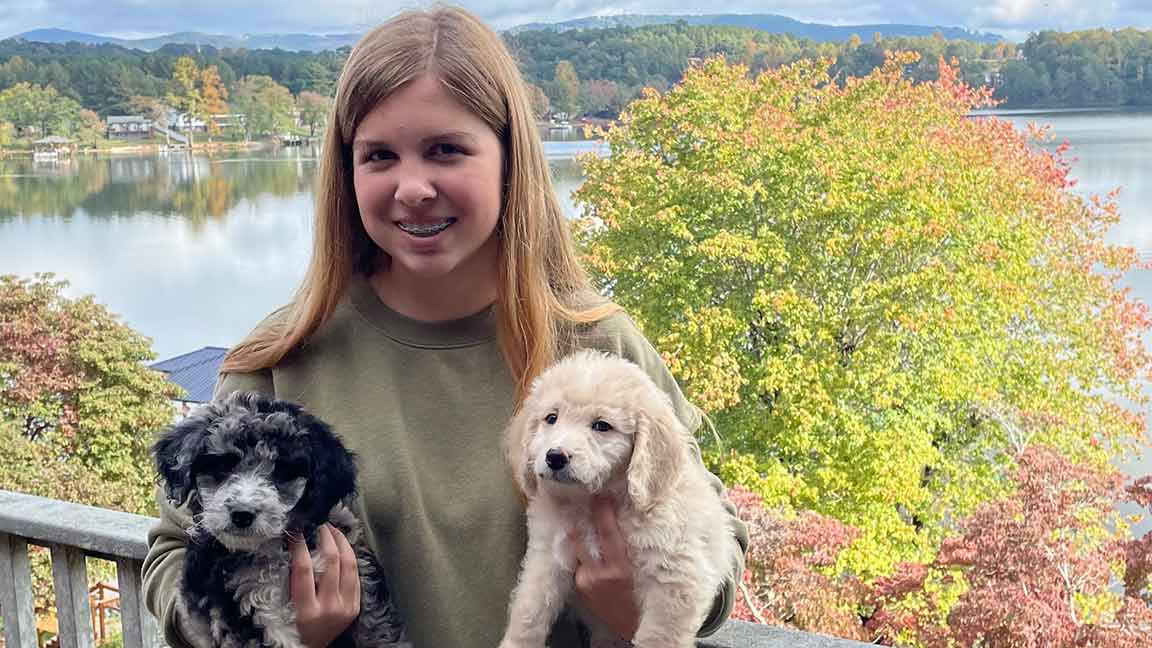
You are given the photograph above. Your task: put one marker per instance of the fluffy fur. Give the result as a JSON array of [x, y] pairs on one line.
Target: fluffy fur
[[597, 424], [254, 471]]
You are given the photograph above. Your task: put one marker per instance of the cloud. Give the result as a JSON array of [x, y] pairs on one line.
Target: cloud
[[140, 17]]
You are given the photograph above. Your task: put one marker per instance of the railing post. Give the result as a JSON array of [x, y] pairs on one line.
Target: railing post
[[136, 622], [19, 612], [70, 577]]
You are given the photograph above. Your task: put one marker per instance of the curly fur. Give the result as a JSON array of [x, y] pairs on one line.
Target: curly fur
[[253, 471], [597, 424]]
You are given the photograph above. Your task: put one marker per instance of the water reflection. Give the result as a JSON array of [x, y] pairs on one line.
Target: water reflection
[[193, 188]]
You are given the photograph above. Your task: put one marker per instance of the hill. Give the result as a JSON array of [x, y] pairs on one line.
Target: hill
[[771, 23]]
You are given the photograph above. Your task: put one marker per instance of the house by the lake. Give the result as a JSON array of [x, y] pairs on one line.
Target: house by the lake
[[128, 127]]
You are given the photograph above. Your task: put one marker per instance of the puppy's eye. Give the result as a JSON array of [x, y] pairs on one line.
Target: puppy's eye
[[289, 469], [215, 466], [550, 419], [601, 425]]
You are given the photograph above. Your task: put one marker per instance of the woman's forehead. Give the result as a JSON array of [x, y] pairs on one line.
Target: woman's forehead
[[420, 108]]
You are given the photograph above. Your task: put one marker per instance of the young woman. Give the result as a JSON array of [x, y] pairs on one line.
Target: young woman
[[443, 279]]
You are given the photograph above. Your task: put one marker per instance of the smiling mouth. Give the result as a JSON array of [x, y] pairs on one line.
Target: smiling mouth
[[425, 230]]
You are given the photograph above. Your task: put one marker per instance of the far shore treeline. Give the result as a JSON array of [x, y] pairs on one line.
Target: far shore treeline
[[595, 72]]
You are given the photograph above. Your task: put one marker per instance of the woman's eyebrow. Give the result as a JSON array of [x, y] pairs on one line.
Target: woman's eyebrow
[[371, 142]]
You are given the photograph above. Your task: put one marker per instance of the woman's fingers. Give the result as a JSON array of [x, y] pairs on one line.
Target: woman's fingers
[[302, 585], [329, 581], [349, 573]]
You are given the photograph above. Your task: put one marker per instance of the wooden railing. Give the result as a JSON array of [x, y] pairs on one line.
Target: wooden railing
[[74, 532]]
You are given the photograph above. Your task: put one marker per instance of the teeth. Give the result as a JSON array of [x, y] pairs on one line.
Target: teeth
[[426, 230]]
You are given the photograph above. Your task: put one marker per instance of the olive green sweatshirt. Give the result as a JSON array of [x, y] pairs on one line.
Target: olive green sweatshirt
[[424, 407]]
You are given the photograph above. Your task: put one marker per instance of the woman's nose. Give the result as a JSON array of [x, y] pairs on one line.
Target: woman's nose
[[414, 189]]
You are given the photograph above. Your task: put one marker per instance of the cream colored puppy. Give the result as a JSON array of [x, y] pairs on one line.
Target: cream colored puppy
[[596, 424]]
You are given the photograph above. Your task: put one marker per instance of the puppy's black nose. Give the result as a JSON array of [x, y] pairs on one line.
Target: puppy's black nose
[[556, 458], [242, 519]]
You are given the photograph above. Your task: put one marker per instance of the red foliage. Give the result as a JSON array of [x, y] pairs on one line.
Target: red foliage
[[37, 336], [790, 578], [1026, 559]]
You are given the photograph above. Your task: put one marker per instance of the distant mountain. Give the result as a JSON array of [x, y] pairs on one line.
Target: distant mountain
[[771, 23], [292, 42], [64, 36], [319, 42]]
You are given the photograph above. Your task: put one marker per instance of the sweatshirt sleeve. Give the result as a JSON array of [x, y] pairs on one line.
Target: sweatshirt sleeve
[[163, 568], [164, 564], [619, 334]]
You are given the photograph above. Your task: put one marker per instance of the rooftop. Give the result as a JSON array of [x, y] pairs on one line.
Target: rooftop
[[195, 371]]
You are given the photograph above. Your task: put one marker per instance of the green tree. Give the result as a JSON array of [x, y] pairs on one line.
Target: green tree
[[879, 300], [7, 133], [313, 109], [90, 128], [25, 105], [567, 86], [184, 92], [267, 106], [78, 409], [73, 382]]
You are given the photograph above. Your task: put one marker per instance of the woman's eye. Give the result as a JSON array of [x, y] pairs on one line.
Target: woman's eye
[[550, 419], [378, 155], [601, 426], [445, 149]]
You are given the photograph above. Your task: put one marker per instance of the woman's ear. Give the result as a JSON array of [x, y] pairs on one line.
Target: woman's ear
[[658, 454], [516, 441]]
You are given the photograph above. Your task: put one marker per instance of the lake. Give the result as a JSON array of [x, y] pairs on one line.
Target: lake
[[192, 251]]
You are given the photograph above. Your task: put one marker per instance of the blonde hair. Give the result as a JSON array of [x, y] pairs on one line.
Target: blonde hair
[[541, 281]]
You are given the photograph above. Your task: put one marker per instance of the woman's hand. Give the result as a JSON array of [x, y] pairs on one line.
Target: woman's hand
[[605, 584], [326, 604]]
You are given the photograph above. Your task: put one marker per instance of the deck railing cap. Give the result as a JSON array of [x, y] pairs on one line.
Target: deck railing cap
[[97, 530]]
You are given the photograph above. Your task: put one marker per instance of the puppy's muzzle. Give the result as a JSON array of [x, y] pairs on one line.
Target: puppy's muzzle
[[556, 459]]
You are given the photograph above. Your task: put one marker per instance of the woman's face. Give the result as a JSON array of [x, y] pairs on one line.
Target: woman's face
[[428, 176]]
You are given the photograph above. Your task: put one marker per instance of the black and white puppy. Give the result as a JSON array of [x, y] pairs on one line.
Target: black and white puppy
[[253, 471]]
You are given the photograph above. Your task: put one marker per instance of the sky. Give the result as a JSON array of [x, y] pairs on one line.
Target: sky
[[1013, 19]]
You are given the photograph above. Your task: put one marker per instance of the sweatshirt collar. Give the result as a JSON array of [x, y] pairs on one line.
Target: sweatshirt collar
[[467, 331]]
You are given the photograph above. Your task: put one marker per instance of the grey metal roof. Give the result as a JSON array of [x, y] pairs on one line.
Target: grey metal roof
[[195, 371], [124, 119]]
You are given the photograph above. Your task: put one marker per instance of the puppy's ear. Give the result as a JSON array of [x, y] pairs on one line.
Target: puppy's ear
[[333, 474], [658, 453], [516, 440], [176, 450]]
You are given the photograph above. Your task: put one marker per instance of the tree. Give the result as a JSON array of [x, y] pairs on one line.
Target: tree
[[267, 106], [90, 128], [7, 132], [185, 92], [567, 86], [154, 109], [25, 105], [789, 576], [601, 96], [1035, 567], [76, 395], [214, 95], [540, 103], [314, 109], [879, 300]]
